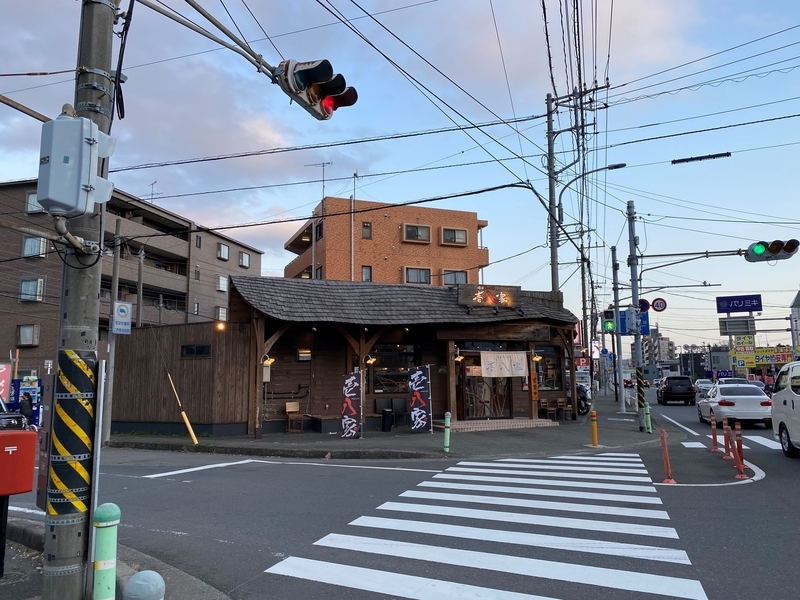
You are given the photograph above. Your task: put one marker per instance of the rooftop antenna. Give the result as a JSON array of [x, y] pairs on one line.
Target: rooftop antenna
[[323, 165]]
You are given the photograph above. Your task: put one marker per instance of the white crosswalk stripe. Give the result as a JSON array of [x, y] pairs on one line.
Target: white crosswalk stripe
[[768, 442], [437, 530]]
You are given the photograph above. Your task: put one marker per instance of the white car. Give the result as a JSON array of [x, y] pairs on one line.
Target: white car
[[739, 402], [786, 409], [702, 386]]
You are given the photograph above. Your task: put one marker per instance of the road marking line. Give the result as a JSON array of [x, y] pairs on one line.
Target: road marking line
[[721, 442], [572, 463], [674, 422], [758, 476], [392, 584], [559, 468], [763, 441], [547, 521], [693, 444], [621, 487], [589, 457], [528, 567], [193, 469], [508, 489], [538, 540], [340, 466], [30, 511], [619, 454], [555, 474], [591, 509]]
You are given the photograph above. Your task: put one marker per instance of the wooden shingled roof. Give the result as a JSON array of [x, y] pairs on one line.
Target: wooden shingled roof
[[309, 300]]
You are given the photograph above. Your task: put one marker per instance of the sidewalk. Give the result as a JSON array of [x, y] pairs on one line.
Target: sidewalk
[[616, 432]]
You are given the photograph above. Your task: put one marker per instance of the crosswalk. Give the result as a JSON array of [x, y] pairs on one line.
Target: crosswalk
[[568, 526], [748, 442]]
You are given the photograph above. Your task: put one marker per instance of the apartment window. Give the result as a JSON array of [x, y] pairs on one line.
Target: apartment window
[[318, 231], [34, 247], [366, 273], [457, 237], [319, 273], [366, 230], [222, 283], [222, 251], [221, 313], [31, 290], [244, 260], [27, 335], [198, 242], [418, 275], [416, 233], [196, 308], [195, 351], [197, 274], [32, 203], [454, 277]]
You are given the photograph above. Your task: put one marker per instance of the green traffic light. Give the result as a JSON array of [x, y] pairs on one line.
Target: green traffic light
[[759, 248], [608, 326]]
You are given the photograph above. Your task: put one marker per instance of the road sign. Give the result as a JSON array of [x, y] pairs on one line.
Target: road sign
[[737, 325], [604, 351], [644, 305], [729, 304], [644, 322], [659, 305], [122, 318]]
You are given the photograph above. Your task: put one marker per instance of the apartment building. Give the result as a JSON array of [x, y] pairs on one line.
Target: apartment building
[[357, 240], [184, 271], [656, 348]]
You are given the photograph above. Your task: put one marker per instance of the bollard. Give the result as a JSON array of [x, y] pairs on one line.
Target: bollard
[[447, 416], [739, 445], [714, 446], [144, 585], [647, 422], [738, 463], [665, 453], [726, 434], [594, 429], [106, 520]]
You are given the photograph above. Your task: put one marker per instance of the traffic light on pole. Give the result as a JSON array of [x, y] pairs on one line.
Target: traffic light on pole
[[609, 324], [314, 86], [776, 250]]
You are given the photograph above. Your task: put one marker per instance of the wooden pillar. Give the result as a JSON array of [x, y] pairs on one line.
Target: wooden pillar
[[255, 417], [533, 383]]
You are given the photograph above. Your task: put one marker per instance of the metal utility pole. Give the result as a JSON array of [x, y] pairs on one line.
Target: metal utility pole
[[112, 339], [70, 483], [637, 335], [617, 335], [140, 291], [551, 205]]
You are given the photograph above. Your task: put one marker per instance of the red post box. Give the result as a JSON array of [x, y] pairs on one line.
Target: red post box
[[17, 461]]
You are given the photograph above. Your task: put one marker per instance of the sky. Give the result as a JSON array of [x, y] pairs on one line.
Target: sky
[[686, 78]]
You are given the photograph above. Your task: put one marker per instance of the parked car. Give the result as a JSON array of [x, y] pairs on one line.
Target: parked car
[[647, 383], [628, 383], [676, 388], [786, 409], [703, 385], [739, 402]]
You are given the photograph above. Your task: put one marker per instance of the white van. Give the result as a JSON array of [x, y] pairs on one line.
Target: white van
[[786, 409]]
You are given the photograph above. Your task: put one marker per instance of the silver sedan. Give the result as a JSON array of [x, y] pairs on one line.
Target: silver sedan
[[738, 402]]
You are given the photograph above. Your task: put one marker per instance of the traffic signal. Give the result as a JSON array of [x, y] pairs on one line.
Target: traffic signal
[[609, 324], [777, 250], [313, 86]]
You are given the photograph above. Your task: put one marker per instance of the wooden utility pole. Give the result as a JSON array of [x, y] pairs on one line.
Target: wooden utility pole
[[69, 492]]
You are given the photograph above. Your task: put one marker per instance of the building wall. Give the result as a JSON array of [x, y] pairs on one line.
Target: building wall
[[387, 252]]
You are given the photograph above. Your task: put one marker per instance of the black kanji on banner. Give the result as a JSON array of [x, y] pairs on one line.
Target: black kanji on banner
[[419, 382], [351, 406]]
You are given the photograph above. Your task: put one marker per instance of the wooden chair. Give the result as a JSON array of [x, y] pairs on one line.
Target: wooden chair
[[552, 409], [565, 407], [294, 418]]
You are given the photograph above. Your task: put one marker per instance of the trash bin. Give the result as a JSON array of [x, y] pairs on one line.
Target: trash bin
[[386, 424]]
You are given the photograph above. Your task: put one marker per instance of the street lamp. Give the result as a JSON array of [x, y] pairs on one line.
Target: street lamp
[[612, 167]]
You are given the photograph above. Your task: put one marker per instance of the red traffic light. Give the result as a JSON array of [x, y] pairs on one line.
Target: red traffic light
[[347, 98], [791, 246], [313, 85]]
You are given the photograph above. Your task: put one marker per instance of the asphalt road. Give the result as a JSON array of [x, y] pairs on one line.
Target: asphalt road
[[566, 528]]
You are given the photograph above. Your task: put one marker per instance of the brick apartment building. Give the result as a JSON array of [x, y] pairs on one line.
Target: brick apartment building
[[187, 271], [357, 240]]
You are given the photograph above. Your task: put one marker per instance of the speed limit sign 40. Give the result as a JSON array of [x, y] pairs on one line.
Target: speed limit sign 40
[[659, 305]]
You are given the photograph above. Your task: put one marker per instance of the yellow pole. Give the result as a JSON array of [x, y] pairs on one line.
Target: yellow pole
[[594, 429], [183, 414]]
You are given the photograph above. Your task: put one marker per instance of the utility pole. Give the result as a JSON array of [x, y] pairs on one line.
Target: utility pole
[[617, 335], [551, 205], [140, 291], [112, 339], [69, 488], [637, 332]]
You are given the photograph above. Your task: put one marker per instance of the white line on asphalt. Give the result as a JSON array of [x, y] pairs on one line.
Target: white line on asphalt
[[693, 444], [557, 467], [529, 567], [552, 474], [193, 469], [587, 457], [547, 521], [721, 442], [591, 509], [597, 462], [757, 476], [554, 542], [620, 487], [619, 454], [763, 441], [316, 464], [392, 584], [674, 422], [30, 511], [508, 489]]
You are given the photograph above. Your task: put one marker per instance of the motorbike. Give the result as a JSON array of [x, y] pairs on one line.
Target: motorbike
[[584, 399]]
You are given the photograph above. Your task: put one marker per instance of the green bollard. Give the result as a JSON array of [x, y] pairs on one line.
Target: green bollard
[[144, 585], [647, 417], [447, 416], [106, 519]]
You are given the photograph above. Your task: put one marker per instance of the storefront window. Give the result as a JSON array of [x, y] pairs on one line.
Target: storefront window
[[389, 372], [549, 369]]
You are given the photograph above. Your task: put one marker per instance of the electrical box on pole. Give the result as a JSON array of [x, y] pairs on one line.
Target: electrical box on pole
[[69, 185], [632, 319]]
